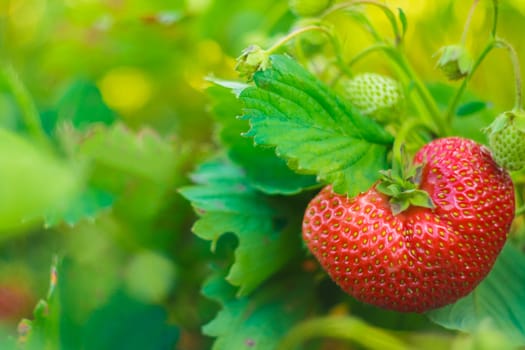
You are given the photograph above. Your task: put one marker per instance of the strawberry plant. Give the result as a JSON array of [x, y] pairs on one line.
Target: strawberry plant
[[351, 179]]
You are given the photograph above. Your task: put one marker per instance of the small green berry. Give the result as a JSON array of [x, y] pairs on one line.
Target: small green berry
[[455, 62], [375, 95], [252, 59], [308, 8], [507, 139]]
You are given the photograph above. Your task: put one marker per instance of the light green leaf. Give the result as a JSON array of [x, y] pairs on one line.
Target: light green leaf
[[498, 300], [32, 182], [264, 170], [227, 203], [144, 154], [259, 321], [86, 204], [313, 129]]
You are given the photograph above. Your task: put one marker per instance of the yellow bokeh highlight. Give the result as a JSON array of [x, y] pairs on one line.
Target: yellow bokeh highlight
[[25, 17], [126, 89], [209, 52]]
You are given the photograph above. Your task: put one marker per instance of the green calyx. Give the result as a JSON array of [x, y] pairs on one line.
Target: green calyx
[[403, 189], [455, 62], [251, 60]]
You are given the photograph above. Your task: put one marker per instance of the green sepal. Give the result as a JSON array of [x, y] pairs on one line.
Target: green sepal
[[403, 190]]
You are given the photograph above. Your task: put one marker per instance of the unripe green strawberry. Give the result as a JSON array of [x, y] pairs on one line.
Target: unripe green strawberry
[[308, 8], [422, 258], [375, 95], [507, 139]]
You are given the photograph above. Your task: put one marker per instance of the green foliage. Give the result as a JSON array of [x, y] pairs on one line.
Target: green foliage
[[144, 154], [26, 170], [260, 321], [497, 301], [265, 171], [86, 204], [81, 105], [125, 323], [120, 91], [313, 129], [119, 322], [267, 233]]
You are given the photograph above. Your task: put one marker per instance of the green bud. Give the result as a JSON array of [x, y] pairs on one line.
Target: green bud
[[251, 60], [455, 62]]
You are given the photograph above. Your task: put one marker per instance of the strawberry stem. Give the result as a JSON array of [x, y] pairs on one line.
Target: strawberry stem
[[494, 43], [490, 45], [342, 328], [500, 43], [386, 10], [468, 21], [324, 30], [495, 13], [434, 117]]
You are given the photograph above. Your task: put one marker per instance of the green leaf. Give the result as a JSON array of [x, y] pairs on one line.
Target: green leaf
[[259, 321], [498, 300], [228, 204], [120, 322], [86, 204], [144, 154], [125, 323], [470, 108], [82, 105], [32, 182], [313, 129], [264, 170]]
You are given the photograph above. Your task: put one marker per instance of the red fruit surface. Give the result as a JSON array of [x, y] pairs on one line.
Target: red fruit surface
[[422, 258]]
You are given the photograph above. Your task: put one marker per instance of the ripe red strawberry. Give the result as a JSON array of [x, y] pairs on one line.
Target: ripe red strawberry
[[421, 258]]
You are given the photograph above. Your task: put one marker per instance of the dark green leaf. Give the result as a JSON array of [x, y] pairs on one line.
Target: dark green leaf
[[82, 105], [498, 300], [264, 170], [267, 238], [87, 204], [313, 129], [470, 108], [257, 322], [124, 323]]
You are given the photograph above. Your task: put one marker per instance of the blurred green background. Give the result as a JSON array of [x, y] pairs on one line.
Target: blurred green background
[[139, 69]]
